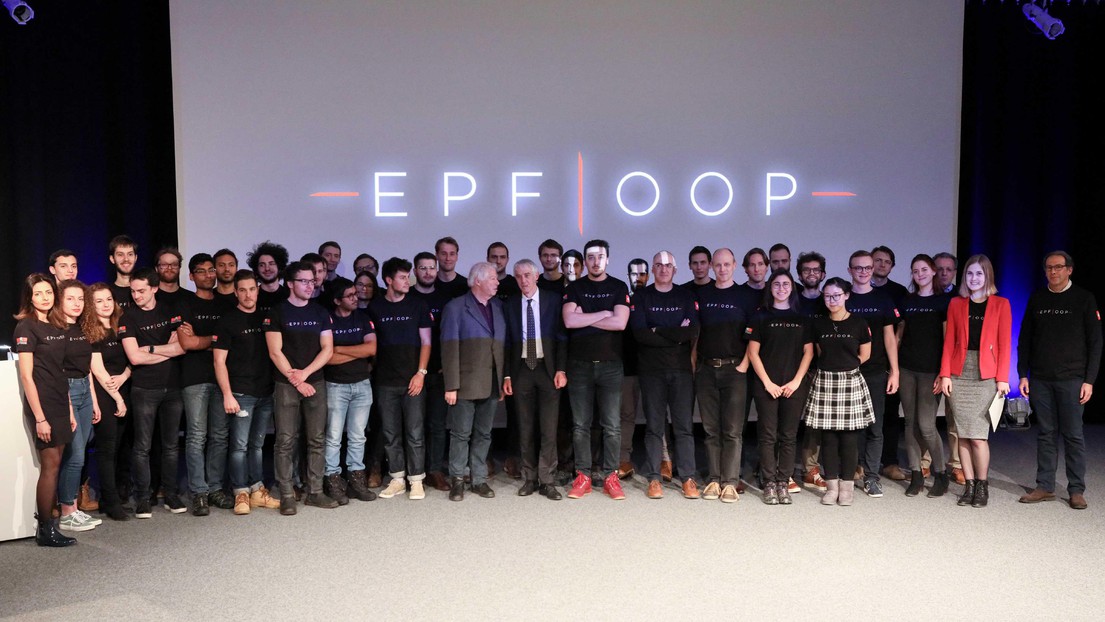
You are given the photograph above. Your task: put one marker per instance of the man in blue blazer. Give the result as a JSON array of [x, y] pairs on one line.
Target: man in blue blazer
[[472, 362], [536, 364]]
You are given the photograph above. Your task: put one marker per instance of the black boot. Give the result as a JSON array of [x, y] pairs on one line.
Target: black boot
[[358, 486], [968, 496], [48, 534], [916, 483], [982, 493], [334, 486], [939, 485]]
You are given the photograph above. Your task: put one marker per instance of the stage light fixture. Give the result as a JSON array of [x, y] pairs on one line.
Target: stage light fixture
[[1047, 24], [20, 11]]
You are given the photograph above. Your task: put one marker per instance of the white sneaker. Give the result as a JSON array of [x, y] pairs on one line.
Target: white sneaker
[[397, 487], [89, 519], [417, 491], [73, 522]]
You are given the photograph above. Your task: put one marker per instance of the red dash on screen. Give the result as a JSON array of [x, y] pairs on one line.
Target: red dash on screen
[[833, 194], [336, 194]]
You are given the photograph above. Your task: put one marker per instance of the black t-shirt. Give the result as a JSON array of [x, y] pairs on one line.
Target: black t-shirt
[[896, 291], [122, 296], [552, 286], [174, 300], [812, 307], [225, 302], [398, 343], [350, 331], [751, 299], [267, 300], [590, 343], [47, 343], [198, 366], [152, 328], [723, 318], [878, 309], [248, 364], [976, 313], [300, 329], [78, 353], [840, 342], [111, 351], [782, 335], [435, 302], [923, 336], [693, 287], [656, 319], [455, 289], [508, 286]]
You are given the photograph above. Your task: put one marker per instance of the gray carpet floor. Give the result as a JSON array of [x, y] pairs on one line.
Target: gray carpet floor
[[513, 558]]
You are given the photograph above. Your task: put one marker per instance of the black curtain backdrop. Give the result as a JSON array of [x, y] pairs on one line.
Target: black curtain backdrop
[[86, 141]]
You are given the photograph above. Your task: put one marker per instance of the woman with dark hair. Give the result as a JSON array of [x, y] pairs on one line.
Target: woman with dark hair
[[974, 369], [41, 348], [839, 403], [111, 369], [69, 312], [780, 349], [920, 341]]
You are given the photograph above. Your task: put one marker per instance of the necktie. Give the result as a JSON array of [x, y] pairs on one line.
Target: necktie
[[531, 337]]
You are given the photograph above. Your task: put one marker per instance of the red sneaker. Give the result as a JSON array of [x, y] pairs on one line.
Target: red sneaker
[[581, 486], [613, 487]]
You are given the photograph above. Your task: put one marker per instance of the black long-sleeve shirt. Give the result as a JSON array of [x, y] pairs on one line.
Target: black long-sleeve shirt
[[1060, 336], [656, 319]]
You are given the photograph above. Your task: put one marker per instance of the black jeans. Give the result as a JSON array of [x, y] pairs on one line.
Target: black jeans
[[778, 430], [290, 408], [664, 392], [109, 431], [165, 407]]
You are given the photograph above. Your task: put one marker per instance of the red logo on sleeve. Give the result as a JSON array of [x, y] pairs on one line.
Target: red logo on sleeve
[[748, 330], [214, 339], [122, 330], [696, 305], [1098, 315], [22, 341], [896, 314], [266, 322]]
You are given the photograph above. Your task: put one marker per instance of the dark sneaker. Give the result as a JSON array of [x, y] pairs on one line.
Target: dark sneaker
[[334, 486], [287, 505], [142, 509], [199, 505], [320, 500], [221, 500], [174, 504], [872, 488]]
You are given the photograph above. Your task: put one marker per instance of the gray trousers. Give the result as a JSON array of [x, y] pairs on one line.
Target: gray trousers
[[289, 410]]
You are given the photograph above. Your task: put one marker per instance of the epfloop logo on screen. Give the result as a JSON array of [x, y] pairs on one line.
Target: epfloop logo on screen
[[637, 193]]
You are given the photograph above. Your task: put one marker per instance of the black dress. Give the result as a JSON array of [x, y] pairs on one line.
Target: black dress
[[47, 344]]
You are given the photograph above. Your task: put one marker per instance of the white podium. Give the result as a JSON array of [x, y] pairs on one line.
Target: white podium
[[18, 460]]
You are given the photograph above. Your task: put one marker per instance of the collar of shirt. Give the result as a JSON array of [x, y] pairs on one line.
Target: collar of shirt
[[1069, 283]]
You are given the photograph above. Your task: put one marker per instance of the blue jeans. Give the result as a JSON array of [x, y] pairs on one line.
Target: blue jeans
[[402, 418], [470, 432], [347, 408], [1055, 403], [72, 459], [589, 381], [165, 406], [661, 392], [206, 424], [247, 438]]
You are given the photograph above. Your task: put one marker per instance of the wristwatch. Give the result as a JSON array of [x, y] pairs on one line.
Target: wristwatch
[[423, 371]]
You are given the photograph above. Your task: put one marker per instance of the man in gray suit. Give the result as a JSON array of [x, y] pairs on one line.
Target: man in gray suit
[[472, 361]]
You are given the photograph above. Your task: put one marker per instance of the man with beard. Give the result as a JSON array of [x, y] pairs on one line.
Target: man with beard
[[892, 425], [167, 262], [425, 288], [319, 295], [268, 260], [226, 266], [755, 266], [779, 257], [811, 272], [448, 281], [122, 253]]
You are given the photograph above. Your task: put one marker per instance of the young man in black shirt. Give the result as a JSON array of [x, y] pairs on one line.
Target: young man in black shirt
[[752, 291], [168, 262], [499, 256], [1058, 357], [778, 257], [226, 266], [699, 261], [300, 343], [331, 252], [148, 333], [123, 254], [425, 288], [892, 427], [551, 279], [596, 311], [448, 281], [268, 260], [243, 372], [811, 272], [63, 265]]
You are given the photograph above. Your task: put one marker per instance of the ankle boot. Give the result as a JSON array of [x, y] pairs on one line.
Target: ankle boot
[[968, 496], [85, 502], [358, 486], [982, 493], [48, 534], [832, 491], [847, 492], [916, 483], [939, 485]]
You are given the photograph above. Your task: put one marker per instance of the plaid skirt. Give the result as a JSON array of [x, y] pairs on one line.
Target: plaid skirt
[[839, 400]]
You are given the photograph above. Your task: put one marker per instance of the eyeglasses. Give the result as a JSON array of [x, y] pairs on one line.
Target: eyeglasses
[[303, 281], [351, 295], [862, 269], [166, 266], [833, 297], [1056, 268], [781, 285], [202, 271], [810, 271], [363, 285]]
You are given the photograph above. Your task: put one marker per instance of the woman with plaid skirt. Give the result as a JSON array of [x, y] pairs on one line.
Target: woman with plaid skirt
[[839, 403]]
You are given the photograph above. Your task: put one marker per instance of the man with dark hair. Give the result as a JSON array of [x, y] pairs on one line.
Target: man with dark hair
[[499, 256], [551, 279], [448, 252], [268, 260], [205, 421], [811, 272], [637, 271], [318, 269], [881, 370], [884, 262], [348, 394], [300, 343], [226, 266], [892, 427], [699, 261], [403, 330], [331, 252], [1059, 351], [779, 257], [664, 319], [537, 352], [122, 253], [148, 333], [596, 311], [472, 360], [63, 265], [242, 371], [425, 288], [755, 265], [946, 267], [366, 263]]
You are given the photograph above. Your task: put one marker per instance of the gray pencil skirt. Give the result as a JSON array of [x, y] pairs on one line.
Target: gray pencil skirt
[[970, 400]]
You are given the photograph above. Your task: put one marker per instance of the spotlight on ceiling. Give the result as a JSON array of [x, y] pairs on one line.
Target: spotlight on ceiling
[[1047, 24], [19, 10]]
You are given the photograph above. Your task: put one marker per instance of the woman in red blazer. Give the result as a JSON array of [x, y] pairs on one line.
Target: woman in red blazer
[[974, 368]]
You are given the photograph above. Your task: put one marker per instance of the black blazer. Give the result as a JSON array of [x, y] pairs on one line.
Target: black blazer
[[554, 339]]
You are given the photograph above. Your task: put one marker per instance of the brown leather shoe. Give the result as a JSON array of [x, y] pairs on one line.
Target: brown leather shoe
[[859, 474], [511, 468], [1077, 501], [690, 489], [894, 472], [957, 475], [655, 490], [438, 481], [665, 470], [1039, 494], [375, 477], [625, 470]]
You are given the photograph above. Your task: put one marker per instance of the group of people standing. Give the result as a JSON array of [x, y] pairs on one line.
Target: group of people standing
[[423, 355]]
